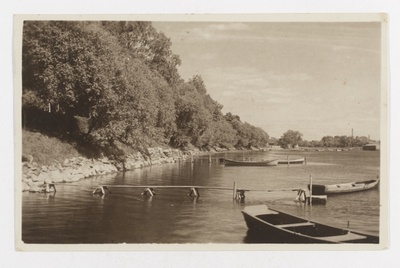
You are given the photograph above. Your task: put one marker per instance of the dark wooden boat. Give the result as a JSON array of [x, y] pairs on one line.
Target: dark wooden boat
[[293, 161], [281, 227], [229, 162], [320, 189]]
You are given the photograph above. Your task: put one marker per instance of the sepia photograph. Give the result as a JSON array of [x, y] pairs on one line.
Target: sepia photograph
[[201, 131]]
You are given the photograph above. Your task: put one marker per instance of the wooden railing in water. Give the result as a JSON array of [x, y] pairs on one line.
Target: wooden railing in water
[[238, 194]]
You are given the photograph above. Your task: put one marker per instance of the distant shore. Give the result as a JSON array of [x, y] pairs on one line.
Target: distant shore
[[40, 167]]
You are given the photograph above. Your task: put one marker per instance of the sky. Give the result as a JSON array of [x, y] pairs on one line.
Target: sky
[[279, 259], [316, 78]]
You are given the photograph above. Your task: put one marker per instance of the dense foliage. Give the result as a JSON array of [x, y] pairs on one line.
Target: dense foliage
[[337, 141], [292, 138], [121, 78]]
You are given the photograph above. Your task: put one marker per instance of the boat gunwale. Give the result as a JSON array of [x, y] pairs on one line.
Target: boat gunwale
[[273, 162], [339, 188], [292, 161], [294, 233]]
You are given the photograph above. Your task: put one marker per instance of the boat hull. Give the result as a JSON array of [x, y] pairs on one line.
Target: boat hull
[[264, 233], [291, 162], [343, 187], [272, 226], [229, 162]]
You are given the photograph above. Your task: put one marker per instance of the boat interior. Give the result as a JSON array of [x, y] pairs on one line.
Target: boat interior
[[307, 228]]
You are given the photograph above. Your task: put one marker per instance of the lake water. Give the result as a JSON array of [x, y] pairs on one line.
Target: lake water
[[74, 215]]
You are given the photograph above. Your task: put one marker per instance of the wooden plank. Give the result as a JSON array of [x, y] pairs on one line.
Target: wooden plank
[[166, 186], [259, 210], [295, 224], [346, 237], [195, 186]]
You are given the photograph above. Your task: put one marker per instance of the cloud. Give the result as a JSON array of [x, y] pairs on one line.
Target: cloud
[[237, 26], [217, 32], [204, 57], [289, 77], [343, 48], [249, 77], [248, 85]]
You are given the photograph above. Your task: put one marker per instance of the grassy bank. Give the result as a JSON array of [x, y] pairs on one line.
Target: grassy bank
[[45, 149]]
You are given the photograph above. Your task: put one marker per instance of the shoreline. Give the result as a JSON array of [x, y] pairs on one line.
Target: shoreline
[[36, 178]]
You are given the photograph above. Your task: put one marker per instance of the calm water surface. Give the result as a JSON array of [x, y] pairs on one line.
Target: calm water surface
[[74, 215]]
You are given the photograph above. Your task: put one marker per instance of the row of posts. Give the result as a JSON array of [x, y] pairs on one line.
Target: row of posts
[[238, 194]]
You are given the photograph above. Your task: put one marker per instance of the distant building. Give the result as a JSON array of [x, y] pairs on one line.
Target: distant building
[[273, 144], [370, 147], [273, 141]]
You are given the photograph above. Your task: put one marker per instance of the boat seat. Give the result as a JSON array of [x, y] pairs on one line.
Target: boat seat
[[346, 237], [298, 224]]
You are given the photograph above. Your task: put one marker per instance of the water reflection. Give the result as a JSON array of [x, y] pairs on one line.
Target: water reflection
[[75, 215], [194, 199], [50, 196]]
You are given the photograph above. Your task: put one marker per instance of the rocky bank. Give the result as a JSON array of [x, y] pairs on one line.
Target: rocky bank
[[37, 178]]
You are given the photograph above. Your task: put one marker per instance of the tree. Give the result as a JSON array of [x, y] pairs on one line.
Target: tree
[[66, 65], [219, 134], [141, 40], [121, 79], [192, 118], [305, 143], [212, 106], [229, 117], [290, 139]]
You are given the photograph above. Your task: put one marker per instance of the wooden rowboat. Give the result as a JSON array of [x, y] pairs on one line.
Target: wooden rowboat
[[229, 162], [320, 189], [294, 161], [279, 227]]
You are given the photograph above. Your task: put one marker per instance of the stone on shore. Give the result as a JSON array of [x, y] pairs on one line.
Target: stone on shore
[[77, 168]]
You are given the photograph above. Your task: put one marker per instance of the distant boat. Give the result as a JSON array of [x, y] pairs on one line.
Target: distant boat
[[285, 228], [293, 161], [320, 189], [229, 162]]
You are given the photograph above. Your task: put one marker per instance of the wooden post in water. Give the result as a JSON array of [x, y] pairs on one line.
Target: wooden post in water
[[234, 190], [194, 192], [240, 195], [49, 186], [99, 190], [149, 191], [310, 190]]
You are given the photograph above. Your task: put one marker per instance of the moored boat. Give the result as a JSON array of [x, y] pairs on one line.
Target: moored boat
[[291, 161], [230, 162], [282, 227], [321, 189]]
